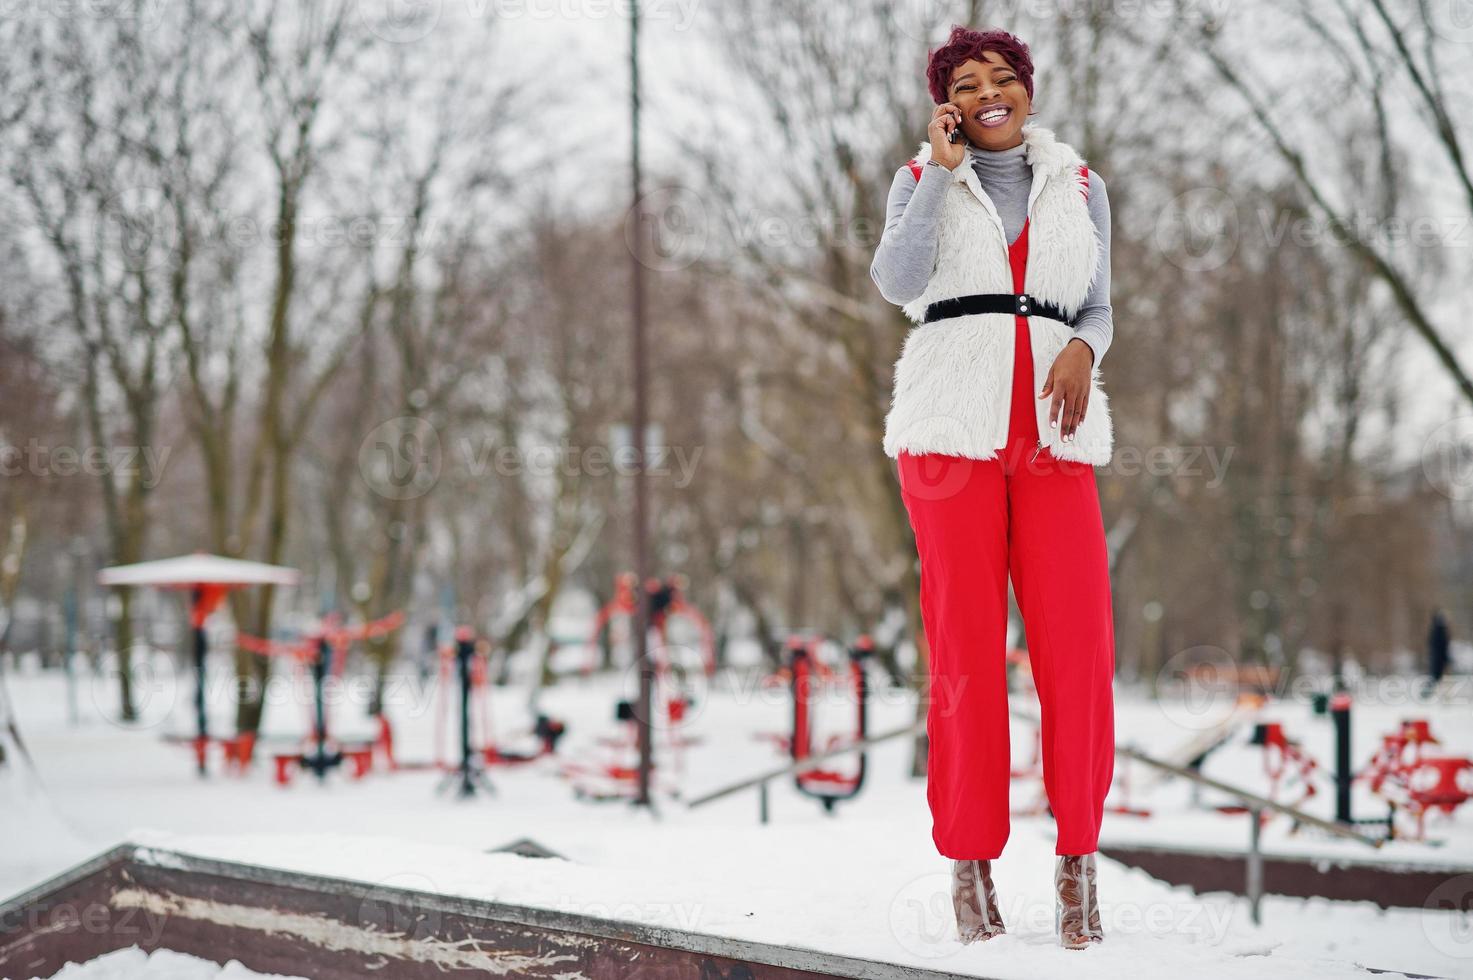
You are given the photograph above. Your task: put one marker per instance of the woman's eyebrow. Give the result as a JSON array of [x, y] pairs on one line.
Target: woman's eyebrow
[[972, 74]]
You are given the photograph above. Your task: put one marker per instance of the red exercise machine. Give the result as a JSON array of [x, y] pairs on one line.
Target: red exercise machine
[[322, 652], [1406, 777], [828, 786], [666, 601]]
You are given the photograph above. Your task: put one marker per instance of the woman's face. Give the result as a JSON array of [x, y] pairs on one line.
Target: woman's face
[[993, 102]]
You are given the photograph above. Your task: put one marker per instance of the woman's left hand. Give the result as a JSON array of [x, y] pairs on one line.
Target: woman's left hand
[[1069, 382]]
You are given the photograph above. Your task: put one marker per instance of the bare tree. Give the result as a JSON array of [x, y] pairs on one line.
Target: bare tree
[[1376, 56], [421, 312], [80, 153], [300, 59]]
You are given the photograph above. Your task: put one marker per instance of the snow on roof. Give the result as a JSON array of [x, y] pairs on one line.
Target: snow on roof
[[199, 568]]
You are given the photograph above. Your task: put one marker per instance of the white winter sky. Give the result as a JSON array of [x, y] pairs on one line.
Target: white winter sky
[[580, 51]]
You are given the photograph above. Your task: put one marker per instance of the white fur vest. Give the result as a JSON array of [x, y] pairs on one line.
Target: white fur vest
[[953, 381]]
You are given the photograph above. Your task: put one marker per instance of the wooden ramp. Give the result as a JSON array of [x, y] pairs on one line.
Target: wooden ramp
[[1389, 884], [306, 925]]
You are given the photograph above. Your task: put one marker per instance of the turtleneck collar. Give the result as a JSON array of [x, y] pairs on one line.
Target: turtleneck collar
[[1004, 166]]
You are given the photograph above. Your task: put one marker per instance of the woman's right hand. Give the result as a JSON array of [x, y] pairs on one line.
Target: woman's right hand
[[946, 118]]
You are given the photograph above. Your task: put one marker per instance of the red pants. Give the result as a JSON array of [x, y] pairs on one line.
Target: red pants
[[976, 523]]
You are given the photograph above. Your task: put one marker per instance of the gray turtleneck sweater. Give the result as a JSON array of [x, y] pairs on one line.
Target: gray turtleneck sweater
[[907, 250]]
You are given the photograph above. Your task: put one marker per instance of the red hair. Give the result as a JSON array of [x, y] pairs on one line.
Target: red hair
[[964, 45]]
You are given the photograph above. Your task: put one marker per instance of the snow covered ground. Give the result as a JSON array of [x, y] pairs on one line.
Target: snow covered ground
[[864, 883], [163, 964]]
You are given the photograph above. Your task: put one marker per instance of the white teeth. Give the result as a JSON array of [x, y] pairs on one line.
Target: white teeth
[[993, 113]]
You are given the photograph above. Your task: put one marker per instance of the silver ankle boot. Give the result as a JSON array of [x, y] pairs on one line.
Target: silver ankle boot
[[975, 901], [1077, 910]]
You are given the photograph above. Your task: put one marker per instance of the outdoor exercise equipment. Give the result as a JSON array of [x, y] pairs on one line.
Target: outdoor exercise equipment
[[1285, 763], [829, 786], [469, 774], [322, 652], [783, 677], [1400, 750], [666, 601], [616, 775], [1406, 777], [1438, 784], [207, 578], [479, 721], [478, 747], [1340, 713]]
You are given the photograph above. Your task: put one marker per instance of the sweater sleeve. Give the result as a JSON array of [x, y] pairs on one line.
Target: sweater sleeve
[[906, 255], [1095, 322]]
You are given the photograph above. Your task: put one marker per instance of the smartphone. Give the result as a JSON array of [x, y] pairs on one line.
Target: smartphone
[[956, 134]]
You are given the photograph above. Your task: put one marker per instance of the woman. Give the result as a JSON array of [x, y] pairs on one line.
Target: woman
[[997, 245]]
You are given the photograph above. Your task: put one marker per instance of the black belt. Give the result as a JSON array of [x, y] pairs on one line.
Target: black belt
[[1019, 303]]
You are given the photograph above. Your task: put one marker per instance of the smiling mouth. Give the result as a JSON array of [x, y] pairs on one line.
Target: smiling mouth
[[993, 116]]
